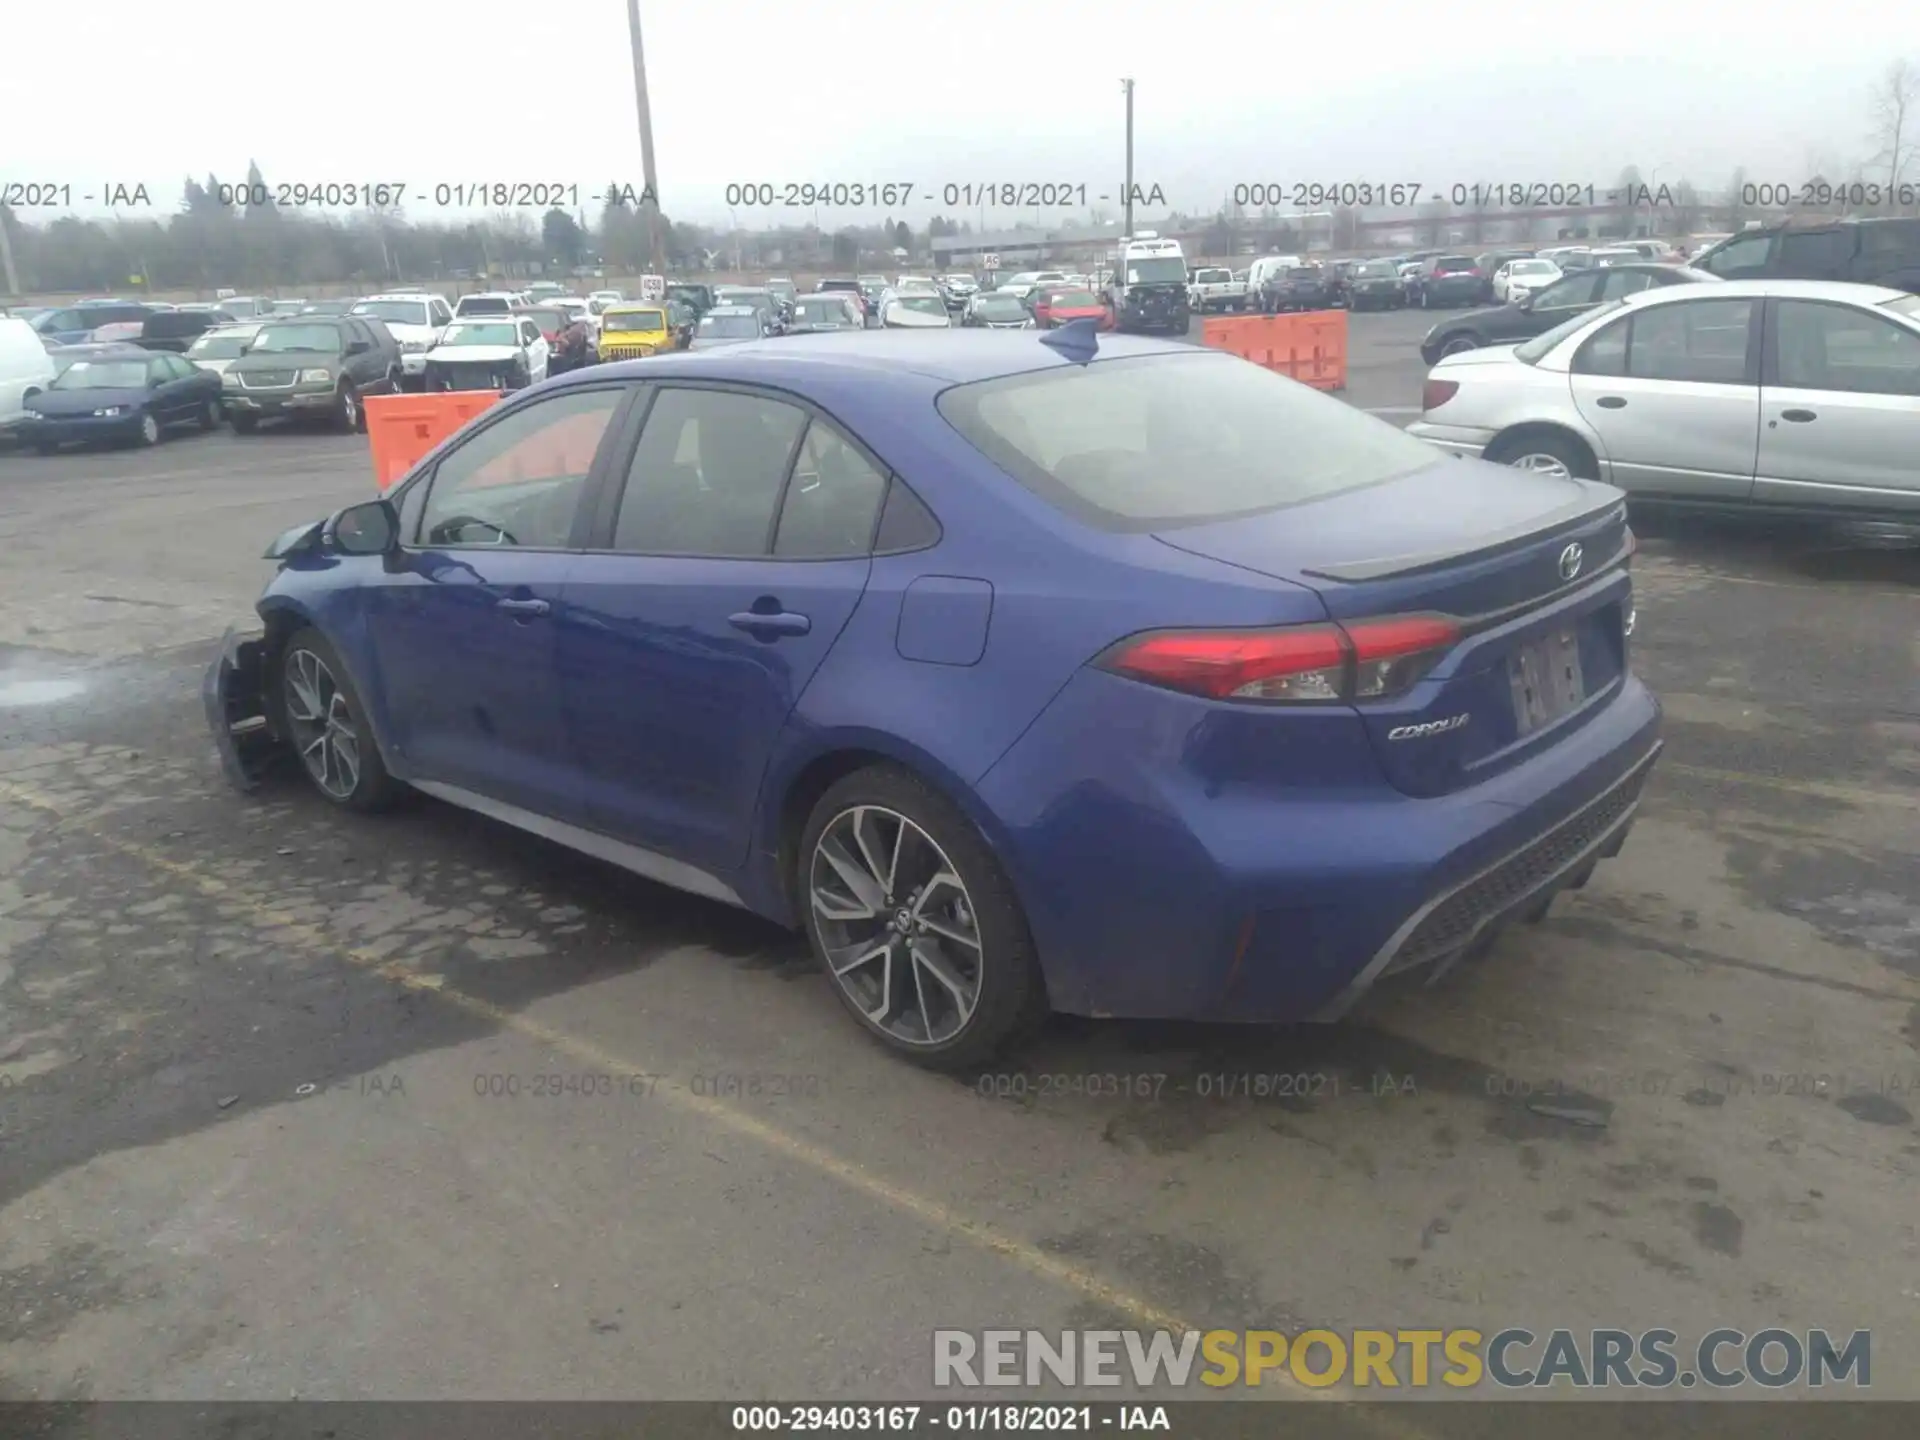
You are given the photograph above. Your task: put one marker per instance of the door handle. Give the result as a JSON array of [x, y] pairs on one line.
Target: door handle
[[526, 608], [770, 622], [1799, 417], [1611, 402]]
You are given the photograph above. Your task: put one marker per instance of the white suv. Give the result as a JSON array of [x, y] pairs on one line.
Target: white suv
[[417, 320], [489, 302]]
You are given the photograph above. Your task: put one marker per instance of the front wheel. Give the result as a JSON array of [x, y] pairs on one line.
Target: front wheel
[[149, 431], [324, 723], [347, 416], [914, 921]]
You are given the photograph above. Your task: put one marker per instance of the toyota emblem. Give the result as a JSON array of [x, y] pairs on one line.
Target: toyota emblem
[[1570, 559]]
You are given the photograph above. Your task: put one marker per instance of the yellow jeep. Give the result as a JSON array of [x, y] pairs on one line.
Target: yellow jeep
[[630, 331]]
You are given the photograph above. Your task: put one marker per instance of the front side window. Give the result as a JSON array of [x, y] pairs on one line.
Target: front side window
[[707, 474], [1836, 347], [1740, 254], [1618, 284], [519, 481], [1166, 440], [1702, 341], [1569, 290]]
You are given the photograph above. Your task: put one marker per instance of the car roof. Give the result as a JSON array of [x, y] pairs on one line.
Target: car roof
[[1780, 289], [916, 360], [399, 295]]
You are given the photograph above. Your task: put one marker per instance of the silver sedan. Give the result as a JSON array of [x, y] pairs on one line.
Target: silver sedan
[[1795, 396]]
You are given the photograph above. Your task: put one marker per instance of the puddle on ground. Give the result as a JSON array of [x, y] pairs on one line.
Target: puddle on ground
[[19, 694]]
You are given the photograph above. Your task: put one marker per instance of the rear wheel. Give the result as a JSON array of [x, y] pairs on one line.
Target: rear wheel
[[914, 921], [1544, 453]]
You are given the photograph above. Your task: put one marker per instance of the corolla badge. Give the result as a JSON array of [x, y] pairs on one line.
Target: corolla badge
[[1571, 559], [1432, 727]]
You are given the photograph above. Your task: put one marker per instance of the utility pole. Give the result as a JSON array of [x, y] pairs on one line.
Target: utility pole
[[6, 259], [650, 198], [1127, 197]]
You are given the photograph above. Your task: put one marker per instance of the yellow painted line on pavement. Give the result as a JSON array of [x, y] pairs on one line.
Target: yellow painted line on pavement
[[1028, 1256]]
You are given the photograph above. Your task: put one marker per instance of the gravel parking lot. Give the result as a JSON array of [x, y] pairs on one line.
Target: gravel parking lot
[[273, 1121]]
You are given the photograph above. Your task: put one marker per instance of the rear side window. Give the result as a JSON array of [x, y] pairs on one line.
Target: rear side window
[[707, 475], [1704, 341], [1164, 440], [1815, 254]]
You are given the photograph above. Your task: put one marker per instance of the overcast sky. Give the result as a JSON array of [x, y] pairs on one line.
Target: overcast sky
[[1423, 91]]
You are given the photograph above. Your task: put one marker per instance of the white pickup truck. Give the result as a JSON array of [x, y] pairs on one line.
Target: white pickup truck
[[1214, 288]]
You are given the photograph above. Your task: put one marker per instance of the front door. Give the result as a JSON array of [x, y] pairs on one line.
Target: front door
[[463, 625], [1673, 393], [1839, 408], [738, 551]]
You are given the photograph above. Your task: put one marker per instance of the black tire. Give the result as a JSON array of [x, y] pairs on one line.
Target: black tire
[[373, 788], [244, 424], [209, 416], [1508, 450], [348, 415], [1012, 998]]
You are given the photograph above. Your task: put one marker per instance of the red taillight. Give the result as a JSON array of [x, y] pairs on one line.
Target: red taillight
[[1436, 393], [1302, 664], [1475, 273]]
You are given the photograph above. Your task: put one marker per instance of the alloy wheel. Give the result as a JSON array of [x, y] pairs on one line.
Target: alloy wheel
[[322, 726], [349, 409], [149, 430], [1541, 463], [899, 930]]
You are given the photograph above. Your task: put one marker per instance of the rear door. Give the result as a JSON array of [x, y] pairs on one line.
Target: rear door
[[725, 566], [1673, 392], [1839, 407]]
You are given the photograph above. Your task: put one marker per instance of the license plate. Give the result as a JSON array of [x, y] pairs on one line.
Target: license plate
[[1546, 679]]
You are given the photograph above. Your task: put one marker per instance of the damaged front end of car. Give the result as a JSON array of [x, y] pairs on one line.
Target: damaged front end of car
[[236, 685]]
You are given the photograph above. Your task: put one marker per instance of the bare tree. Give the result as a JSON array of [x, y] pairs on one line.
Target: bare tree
[[1894, 106], [1736, 207]]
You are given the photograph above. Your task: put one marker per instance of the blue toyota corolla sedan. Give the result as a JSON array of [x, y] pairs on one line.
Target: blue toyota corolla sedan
[[1112, 676]]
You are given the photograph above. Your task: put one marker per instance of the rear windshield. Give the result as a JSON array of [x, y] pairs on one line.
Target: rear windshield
[[1166, 440], [1533, 349], [1304, 272], [1452, 265], [477, 305], [1376, 270]]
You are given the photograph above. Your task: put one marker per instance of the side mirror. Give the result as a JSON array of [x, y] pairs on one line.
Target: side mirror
[[369, 528]]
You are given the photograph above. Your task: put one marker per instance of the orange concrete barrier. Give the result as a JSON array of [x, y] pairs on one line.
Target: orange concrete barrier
[[1309, 347], [403, 428]]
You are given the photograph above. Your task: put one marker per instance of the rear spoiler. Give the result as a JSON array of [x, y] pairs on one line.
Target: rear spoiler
[[1570, 514]]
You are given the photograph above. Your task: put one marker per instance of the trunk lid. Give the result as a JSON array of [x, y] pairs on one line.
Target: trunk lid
[[1532, 568]]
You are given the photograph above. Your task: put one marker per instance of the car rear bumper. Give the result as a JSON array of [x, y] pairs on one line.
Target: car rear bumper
[[1467, 441], [1154, 892]]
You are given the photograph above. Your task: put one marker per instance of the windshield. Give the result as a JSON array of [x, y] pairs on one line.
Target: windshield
[[821, 312], [1157, 270], [1141, 444], [1376, 270], [486, 334], [634, 320], [729, 327], [1212, 277], [1303, 272], [548, 319], [1533, 349], [756, 298], [1532, 267], [215, 346], [922, 304], [1073, 300], [484, 305], [276, 338], [998, 308], [1452, 265], [102, 375], [395, 312]]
